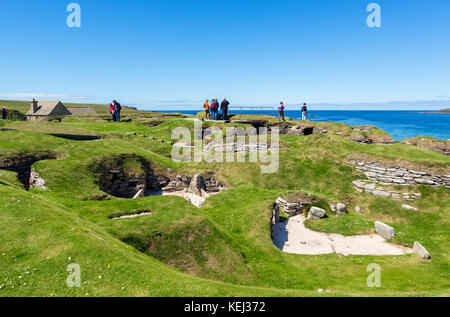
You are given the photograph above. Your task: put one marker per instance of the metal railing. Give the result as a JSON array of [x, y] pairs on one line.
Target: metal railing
[[254, 111]]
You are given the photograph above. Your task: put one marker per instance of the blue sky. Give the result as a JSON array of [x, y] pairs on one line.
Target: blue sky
[[175, 53]]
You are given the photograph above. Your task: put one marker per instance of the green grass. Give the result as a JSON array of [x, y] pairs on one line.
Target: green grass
[[222, 249]]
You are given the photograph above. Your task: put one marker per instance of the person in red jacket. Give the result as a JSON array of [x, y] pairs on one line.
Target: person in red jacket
[[4, 113], [112, 111]]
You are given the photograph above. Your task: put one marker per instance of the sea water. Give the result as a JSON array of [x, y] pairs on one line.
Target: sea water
[[399, 124]]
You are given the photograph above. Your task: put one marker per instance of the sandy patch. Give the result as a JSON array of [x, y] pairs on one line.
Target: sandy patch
[[293, 237]]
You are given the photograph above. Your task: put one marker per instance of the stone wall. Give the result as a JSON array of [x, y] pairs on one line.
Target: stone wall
[[297, 129], [394, 175], [198, 185], [121, 185]]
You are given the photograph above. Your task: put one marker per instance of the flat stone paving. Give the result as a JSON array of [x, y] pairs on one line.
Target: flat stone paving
[[293, 237]]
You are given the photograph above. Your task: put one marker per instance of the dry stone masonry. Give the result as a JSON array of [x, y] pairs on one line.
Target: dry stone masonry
[[394, 175], [298, 129], [292, 208], [371, 188], [198, 185]]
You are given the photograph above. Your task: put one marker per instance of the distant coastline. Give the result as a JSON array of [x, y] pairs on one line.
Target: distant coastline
[[439, 111]]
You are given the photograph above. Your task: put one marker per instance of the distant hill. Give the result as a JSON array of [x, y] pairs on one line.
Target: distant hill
[[445, 110]]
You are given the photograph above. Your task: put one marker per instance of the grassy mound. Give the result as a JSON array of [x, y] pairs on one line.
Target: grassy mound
[[222, 249]]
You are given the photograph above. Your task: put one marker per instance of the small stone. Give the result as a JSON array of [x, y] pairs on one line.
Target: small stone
[[421, 251], [358, 209], [316, 213], [341, 209], [405, 206]]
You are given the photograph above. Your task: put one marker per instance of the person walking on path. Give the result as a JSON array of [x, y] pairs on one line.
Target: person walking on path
[[206, 106], [117, 108], [304, 112], [112, 111], [4, 113], [224, 107], [281, 112]]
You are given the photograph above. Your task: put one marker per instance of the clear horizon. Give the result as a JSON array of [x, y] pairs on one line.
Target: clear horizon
[[171, 54]]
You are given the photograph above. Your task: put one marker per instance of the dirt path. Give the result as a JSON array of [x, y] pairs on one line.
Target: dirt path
[[293, 237]]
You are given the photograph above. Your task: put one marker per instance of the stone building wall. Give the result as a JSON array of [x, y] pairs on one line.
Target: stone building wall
[[394, 175]]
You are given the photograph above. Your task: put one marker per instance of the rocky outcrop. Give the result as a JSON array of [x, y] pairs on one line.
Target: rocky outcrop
[[394, 175]]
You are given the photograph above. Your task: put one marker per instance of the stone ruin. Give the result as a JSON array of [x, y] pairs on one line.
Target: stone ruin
[[21, 164], [197, 185], [395, 175], [300, 129], [115, 181]]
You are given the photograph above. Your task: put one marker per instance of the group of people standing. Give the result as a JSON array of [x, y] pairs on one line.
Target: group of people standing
[[212, 108], [281, 109], [4, 113], [114, 110]]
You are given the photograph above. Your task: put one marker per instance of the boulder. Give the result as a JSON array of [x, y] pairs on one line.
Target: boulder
[[421, 251], [316, 213], [341, 209], [385, 231]]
